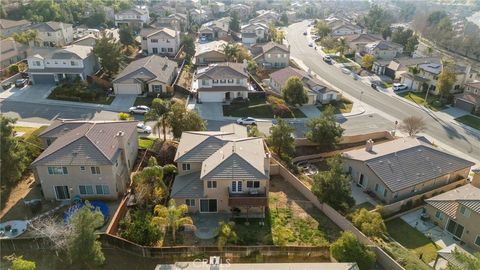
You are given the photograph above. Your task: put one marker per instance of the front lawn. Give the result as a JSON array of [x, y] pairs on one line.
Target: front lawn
[[340, 59], [258, 108], [434, 102], [145, 143], [412, 239], [342, 106], [147, 100], [26, 131], [470, 121], [79, 91]]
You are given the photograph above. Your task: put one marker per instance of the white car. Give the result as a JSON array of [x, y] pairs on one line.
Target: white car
[[346, 70], [247, 121], [399, 87], [141, 109], [142, 128]]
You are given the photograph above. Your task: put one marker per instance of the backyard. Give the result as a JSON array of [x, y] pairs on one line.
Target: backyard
[[79, 91], [145, 143], [470, 120], [342, 106], [433, 102], [258, 108]]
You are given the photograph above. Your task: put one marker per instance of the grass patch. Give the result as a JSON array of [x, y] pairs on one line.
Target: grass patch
[[26, 130], [328, 51], [145, 143], [79, 91], [147, 101], [342, 106], [470, 121], [258, 108], [340, 59], [412, 239], [433, 103]]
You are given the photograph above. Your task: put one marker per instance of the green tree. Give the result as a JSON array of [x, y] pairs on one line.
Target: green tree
[[325, 130], [149, 185], [188, 46], [171, 216], [97, 18], [376, 19], [159, 113], [279, 37], [333, 186], [411, 45], [322, 29], [370, 223], [347, 248], [18, 263], [137, 227], [13, 153], [284, 19], [109, 53], [342, 46], [294, 93], [367, 61], [28, 37], [126, 35], [386, 32], [226, 234], [234, 22], [253, 131], [281, 140], [446, 79], [465, 261], [231, 51], [180, 120], [83, 247]]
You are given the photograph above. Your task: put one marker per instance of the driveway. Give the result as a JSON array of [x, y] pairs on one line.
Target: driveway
[[210, 110], [122, 102], [29, 93]]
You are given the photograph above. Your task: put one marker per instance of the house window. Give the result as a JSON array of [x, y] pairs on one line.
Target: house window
[[154, 50], [186, 166], [82, 168], [439, 215], [95, 170], [170, 49], [154, 40], [86, 190], [73, 63], [57, 170], [465, 211], [215, 81], [223, 81], [37, 63], [144, 38], [190, 202], [237, 186], [49, 34], [477, 240], [376, 187], [253, 184], [102, 189], [239, 81], [211, 184], [205, 82], [385, 192], [230, 80], [157, 88], [62, 193], [163, 50]]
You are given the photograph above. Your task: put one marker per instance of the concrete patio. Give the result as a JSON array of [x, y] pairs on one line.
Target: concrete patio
[[361, 197], [207, 224]]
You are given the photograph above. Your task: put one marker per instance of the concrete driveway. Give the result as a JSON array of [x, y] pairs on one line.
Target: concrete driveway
[[122, 102], [210, 110], [29, 93]]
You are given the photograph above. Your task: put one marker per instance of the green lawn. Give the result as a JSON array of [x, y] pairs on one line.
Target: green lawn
[[434, 103], [145, 143], [257, 109], [342, 106], [340, 59], [470, 120], [81, 92], [26, 130], [412, 239], [144, 101]]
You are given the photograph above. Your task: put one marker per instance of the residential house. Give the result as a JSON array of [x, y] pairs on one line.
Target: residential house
[[222, 172], [469, 100], [11, 52], [153, 74], [198, 16], [383, 49], [357, 42], [402, 168], [266, 17], [135, 17], [243, 11], [343, 28], [87, 40], [400, 65], [271, 55], [162, 41], [52, 65], [317, 92], [92, 160], [176, 21], [53, 34], [209, 53], [217, 7], [221, 82], [457, 212], [253, 33], [8, 27], [215, 30]]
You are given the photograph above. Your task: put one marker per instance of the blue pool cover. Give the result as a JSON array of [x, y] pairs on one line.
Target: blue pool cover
[[94, 205]]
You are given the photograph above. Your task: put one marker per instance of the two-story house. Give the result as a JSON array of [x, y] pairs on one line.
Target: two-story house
[[89, 159], [8, 27], [53, 34], [399, 169], [469, 100], [198, 16], [136, 17], [163, 41], [457, 212], [243, 11], [221, 82], [11, 52], [343, 28], [151, 74], [214, 30], [176, 21], [271, 55], [222, 172], [253, 33], [209, 53], [266, 17], [52, 65], [357, 42]]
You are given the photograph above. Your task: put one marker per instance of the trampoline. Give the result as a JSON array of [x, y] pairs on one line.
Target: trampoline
[[94, 205]]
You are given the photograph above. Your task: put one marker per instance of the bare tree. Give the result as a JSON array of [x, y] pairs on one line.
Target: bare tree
[[412, 125], [55, 231]]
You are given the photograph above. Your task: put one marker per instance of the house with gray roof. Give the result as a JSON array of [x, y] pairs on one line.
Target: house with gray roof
[[135, 17], [53, 34], [222, 171], [8, 27], [153, 74], [457, 212], [162, 41], [215, 30], [271, 55], [402, 168], [89, 159]]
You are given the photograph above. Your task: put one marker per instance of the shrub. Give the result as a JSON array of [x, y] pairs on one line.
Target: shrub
[[137, 227], [279, 107], [123, 116], [170, 169], [370, 223], [167, 152], [13, 69]]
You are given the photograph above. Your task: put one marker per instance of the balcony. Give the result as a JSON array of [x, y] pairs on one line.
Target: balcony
[[248, 197]]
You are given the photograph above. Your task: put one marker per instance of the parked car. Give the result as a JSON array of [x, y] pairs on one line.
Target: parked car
[[327, 59], [305, 33], [247, 121], [142, 128], [21, 82], [399, 87], [310, 44], [355, 76], [7, 85], [346, 70], [141, 109]]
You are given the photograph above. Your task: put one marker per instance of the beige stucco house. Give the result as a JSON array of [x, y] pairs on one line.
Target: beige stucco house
[[222, 171], [163, 41], [89, 159], [402, 168], [271, 55], [210, 52]]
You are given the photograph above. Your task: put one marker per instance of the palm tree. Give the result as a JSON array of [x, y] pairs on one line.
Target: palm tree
[[148, 183], [225, 234], [171, 216], [29, 37], [159, 113], [231, 50], [342, 46]]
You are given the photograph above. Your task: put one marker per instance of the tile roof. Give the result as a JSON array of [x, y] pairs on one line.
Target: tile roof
[[149, 32], [260, 49], [68, 52], [363, 37], [216, 46], [50, 26], [5, 24], [187, 186], [383, 45], [281, 77], [232, 88], [448, 202], [220, 71], [469, 97], [473, 84], [149, 68]]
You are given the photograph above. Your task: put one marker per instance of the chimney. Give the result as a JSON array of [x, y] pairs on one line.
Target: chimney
[[476, 178], [369, 145], [120, 139]]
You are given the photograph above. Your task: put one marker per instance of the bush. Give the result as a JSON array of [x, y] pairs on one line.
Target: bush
[[13, 69], [170, 169], [370, 223], [279, 107], [137, 227], [124, 116]]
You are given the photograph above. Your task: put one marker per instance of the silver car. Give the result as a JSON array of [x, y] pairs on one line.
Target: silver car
[[142, 128], [141, 109]]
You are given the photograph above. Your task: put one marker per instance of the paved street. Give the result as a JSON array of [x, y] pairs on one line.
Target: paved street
[[446, 132]]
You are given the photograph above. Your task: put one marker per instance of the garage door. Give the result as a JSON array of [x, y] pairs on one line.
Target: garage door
[[43, 79], [461, 104], [126, 89], [211, 96]]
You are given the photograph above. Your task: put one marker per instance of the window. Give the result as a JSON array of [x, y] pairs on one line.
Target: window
[[36, 63], [154, 40], [49, 34], [56, 63], [253, 184], [190, 202], [376, 187], [157, 88], [205, 82], [211, 184], [163, 50], [186, 166], [170, 49], [73, 63], [62, 193], [439, 215], [385, 193], [236, 186], [477, 240], [95, 170], [57, 170], [208, 205], [230, 80], [102, 189], [215, 81], [223, 81], [239, 81], [144, 38], [82, 168], [85, 190], [154, 50], [465, 211]]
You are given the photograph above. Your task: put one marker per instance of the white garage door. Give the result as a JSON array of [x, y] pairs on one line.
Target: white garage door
[[127, 89], [211, 96]]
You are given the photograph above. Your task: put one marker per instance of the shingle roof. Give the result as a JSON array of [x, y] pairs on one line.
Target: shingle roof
[[149, 68], [50, 26], [220, 71], [383, 45], [187, 186], [473, 84], [5, 24], [59, 127], [363, 37], [148, 32], [74, 51], [89, 144], [216, 46], [448, 202], [260, 49], [281, 77]]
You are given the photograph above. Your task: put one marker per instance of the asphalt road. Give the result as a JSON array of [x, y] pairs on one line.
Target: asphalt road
[[447, 133]]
